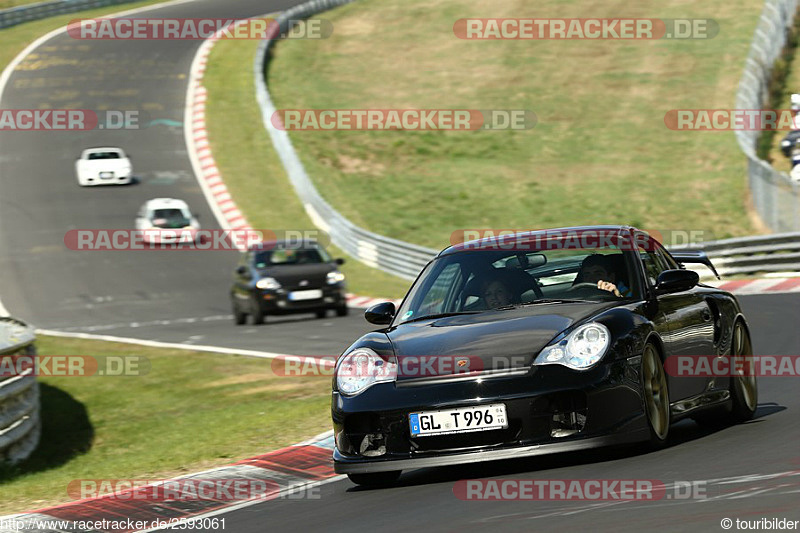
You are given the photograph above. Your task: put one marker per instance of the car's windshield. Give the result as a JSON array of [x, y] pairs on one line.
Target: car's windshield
[[170, 218], [104, 155], [291, 256], [480, 280]]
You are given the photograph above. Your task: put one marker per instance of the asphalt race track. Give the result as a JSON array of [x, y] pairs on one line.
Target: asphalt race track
[[182, 297], [55, 288], [424, 499]]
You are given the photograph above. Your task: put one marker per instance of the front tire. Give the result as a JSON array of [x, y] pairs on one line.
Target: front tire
[[377, 479], [239, 317], [656, 395], [258, 314]]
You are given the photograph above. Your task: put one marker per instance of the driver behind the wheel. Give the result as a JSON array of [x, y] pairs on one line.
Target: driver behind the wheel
[[496, 293], [599, 269]]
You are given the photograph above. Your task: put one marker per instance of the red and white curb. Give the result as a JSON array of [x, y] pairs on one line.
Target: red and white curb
[[758, 286], [362, 302], [205, 167], [288, 470]]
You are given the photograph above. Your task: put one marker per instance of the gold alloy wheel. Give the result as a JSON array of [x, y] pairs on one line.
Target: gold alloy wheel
[[744, 365], [656, 393]]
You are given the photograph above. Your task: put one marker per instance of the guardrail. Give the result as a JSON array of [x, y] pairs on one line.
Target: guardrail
[[20, 425], [775, 197], [390, 255], [752, 255], [18, 15]]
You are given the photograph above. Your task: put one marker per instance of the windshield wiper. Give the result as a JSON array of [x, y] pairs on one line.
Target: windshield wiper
[[543, 301], [440, 315], [558, 301]]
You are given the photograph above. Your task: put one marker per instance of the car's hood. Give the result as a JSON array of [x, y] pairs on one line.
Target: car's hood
[[489, 340], [293, 275]]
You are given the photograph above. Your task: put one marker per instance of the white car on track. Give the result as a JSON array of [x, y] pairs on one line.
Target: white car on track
[[167, 220], [103, 166]]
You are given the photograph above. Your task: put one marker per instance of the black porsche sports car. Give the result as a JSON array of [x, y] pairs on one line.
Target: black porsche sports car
[[533, 343]]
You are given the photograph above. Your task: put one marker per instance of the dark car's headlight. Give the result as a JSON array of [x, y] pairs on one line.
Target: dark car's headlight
[[579, 350], [335, 277], [268, 284], [362, 368]]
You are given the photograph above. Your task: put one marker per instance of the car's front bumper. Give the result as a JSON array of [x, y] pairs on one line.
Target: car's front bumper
[[347, 465], [549, 409], [276, 303]]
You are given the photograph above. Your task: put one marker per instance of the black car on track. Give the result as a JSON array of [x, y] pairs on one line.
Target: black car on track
[[538, 342], [284, 277]]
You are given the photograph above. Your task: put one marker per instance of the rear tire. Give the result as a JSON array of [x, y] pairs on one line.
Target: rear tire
[[656, 395], [342, 311], [321, 314], [378, 479], [743, 388]]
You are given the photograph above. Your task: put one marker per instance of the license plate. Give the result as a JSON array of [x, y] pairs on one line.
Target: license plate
[[305, 295], [106, 175], [461, 420]]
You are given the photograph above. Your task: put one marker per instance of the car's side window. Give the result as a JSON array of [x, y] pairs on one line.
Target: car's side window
[[652, 267], [655, 262], [666, 259]]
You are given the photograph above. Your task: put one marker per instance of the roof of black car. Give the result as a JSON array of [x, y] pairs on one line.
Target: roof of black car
[[489, 241]]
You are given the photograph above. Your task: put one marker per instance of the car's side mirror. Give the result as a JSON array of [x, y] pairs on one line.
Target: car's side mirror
[[676, 281], [339, 261], [380, 314]]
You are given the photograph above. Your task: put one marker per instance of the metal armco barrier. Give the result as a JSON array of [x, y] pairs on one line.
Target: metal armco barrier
[[775, 197], [754, 255], [41, 10], [390, 255], [19, 395]]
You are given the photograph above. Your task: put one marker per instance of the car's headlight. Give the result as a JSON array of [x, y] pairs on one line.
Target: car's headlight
[[268, 284], [335, 277], [579, 350], [362, 368]]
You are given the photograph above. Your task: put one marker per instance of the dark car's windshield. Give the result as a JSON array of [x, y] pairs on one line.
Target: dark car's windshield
[[481, 280], [290, 256], [170, 218]]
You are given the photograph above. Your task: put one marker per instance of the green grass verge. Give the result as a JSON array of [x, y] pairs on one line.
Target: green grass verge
[[251, 168], [190, 412], [7, 4], [600, 152]]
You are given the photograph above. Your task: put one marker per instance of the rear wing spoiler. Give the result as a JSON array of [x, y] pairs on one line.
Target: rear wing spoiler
[[694, 256]]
